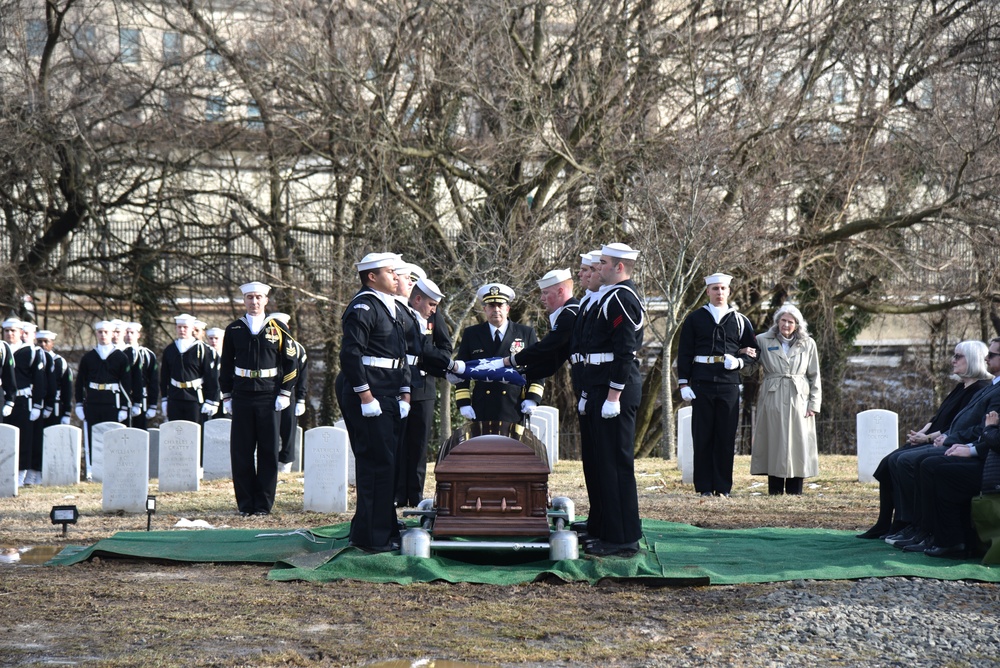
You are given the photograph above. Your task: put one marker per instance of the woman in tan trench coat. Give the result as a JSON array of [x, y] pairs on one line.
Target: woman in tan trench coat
[[784, 440]]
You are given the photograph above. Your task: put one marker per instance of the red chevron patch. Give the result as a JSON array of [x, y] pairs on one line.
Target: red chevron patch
[[617, 321]]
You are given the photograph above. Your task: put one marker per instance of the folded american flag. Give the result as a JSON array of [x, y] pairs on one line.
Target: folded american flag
[[492, 369]]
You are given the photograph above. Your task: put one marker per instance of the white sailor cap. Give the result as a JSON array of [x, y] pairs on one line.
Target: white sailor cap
[[28, 326], [117, 323], [416, 272], [104, 326], [586, 259], [718, 277], [281, 317], [215, 331], [255, 287], [45, 334], [495, 293], [184, 319], [200, 324], [620, 251], [554, 277], [378, 260], [12, 323], [133, 325], [430, 288]]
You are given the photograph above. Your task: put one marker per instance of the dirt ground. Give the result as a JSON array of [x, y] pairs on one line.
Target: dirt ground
[[115, 612]]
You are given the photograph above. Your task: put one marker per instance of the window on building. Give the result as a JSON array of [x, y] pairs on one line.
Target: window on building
[[84, 40], [253, 116], [36, 37], [213, 61], [173, 48], [215, 108], [838, 88], [130, 45]]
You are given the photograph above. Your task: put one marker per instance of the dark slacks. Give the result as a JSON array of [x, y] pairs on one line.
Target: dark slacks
[[950, 483], [591, 478], [289, 421], [186, 410], [20, 417], [374, 441], [411, 458], [254, 431], [614, 466], [903, 468], [715, 415], [776, 485]]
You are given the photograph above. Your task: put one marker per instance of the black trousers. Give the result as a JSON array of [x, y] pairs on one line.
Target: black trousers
[[411, 458], [254, 432], [591, 478], [715, 415], [950, 482], [20, 417], [776, 485], [614, 466], [287, 431], [374, 441], [904, 468]]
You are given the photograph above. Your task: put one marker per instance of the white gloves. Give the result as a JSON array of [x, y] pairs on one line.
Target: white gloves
[[8, 409], [122, 415], [300, 408], [404, 409], [136, 410], [281, 402], [207, 408], [611, 409], [227, 406], [79, 413], [371, 409], [151, 413], [731, 362], [35, 414], [467, 412], [47, 413], [458, 366], [453, 379], [687, 394], [64, 419], [163, 406], [528, 406], [581, 407]]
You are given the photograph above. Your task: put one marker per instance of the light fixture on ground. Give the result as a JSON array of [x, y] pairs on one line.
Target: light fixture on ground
[[150, 509], [64, 515]]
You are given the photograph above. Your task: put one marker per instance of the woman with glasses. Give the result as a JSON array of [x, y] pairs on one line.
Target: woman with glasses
[[968, 367]]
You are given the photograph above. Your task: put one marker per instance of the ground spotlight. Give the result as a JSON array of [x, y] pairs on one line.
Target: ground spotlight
[[150, 509], [64, 515]]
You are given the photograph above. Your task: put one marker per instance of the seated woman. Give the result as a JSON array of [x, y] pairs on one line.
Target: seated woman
[[968, 366]]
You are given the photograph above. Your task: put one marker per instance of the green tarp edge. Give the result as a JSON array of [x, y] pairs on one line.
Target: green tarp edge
[[673, 554]]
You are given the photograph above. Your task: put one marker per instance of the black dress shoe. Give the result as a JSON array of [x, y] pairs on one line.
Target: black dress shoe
[[579, 527], [957, 551], [922, 546], [378, 549], [601, 548], [906, 534], [918, 537], [706, 494], [875, 532]]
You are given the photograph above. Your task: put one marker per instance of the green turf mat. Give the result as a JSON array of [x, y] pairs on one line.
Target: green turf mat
[[673, 554]]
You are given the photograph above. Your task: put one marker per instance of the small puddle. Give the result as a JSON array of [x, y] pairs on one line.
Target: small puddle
[[428, 663], [28, 556]]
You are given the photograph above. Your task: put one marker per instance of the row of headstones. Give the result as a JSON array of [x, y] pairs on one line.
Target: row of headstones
[[877, 436]]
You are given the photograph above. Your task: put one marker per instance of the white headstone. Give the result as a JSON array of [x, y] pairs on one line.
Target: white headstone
[[180, 449], [551, 416], [98, 433], [878, 435], [10, 440], [126, 470], [325, 488], [685, 445], [154, 452], [217, 460], [61, 445], [298, 440], [351, 464]]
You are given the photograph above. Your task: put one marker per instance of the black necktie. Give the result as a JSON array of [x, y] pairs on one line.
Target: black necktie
[[496, 340]]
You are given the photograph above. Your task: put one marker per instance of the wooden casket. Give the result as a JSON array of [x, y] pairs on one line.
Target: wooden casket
[[492, 485]]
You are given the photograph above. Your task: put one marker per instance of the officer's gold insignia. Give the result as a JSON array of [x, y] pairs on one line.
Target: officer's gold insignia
[[271, 334]]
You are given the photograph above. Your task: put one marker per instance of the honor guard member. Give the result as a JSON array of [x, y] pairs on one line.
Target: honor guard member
[[187, 377], [709, 358], [214, 336], [257, 377], [497, 337], [41, 395], [60, 382], [612, 389], [373, 391], [434, 361], [8, 382], [29, 401], [103, 387], [145, 376], [290, 416], [118, 333], [545, 357]]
